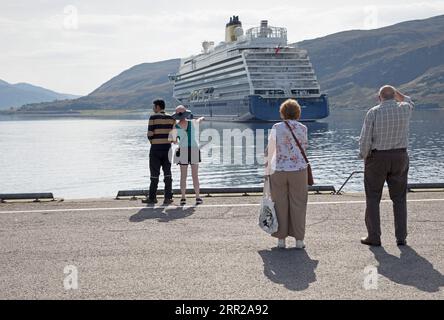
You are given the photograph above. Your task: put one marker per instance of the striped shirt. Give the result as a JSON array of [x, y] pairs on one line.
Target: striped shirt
[[386, 127], [159, 129]]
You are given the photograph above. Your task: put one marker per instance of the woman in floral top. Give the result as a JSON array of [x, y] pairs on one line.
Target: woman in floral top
[[288, 174]]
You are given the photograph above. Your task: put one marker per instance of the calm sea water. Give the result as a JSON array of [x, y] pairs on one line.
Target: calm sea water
[[89, 158]]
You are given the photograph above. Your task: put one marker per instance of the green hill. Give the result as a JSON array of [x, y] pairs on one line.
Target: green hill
[[133, 89], [352, 65]]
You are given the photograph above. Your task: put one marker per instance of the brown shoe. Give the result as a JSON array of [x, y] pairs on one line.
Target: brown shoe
[[367, 242]]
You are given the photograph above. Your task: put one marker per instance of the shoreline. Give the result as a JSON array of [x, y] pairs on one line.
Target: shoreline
[[91, 114], [254, 195], [135, 114]]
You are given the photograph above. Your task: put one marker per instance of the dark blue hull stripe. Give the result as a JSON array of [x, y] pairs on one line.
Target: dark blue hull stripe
[[258, 108]]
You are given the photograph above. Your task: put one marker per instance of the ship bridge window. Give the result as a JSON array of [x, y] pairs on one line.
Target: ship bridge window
[[305, 92], [269, 92]]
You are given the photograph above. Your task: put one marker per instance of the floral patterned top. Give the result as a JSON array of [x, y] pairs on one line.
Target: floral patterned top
[[283, 152]]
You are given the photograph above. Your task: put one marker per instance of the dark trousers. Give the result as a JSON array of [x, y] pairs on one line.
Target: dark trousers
[[391, 166], [160, 159]]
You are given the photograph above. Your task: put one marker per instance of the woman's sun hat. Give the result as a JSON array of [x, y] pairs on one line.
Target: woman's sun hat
[[182, 113]]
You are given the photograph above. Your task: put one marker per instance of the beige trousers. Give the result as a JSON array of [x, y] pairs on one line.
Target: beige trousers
[[289, 191]]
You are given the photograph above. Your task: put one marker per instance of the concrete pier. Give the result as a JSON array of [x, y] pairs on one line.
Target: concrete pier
[[125, 250]]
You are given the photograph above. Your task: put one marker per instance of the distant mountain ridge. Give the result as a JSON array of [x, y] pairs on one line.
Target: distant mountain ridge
[[350, 66], [16, 95], [133, 89]]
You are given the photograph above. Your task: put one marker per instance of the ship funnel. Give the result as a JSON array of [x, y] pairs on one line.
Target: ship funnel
[[230, 34], [238, 32]]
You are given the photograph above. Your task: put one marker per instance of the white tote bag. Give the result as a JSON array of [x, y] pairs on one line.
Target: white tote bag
[[267, 214]]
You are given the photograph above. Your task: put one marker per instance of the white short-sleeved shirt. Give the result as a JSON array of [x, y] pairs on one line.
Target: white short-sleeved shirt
[[286, 155]]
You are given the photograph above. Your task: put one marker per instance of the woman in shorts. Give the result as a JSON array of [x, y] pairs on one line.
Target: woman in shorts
[[188, 153]]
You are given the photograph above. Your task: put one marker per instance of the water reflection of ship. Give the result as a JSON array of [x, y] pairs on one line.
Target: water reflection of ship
[[257, 131], [313, 127]]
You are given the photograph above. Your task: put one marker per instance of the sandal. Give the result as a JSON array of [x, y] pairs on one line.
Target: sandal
[[199, 201], [183, 202]]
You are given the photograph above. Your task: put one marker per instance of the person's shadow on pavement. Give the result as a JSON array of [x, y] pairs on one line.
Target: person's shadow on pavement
[[292, 268], [162, 214], [409, 269]]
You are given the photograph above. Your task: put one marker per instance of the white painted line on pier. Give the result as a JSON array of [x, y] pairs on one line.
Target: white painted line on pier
[[245, 205]]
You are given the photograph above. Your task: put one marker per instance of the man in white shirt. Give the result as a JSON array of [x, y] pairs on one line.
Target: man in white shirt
[[383, 146]]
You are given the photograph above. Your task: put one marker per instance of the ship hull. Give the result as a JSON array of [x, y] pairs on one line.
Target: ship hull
[[256, 108]]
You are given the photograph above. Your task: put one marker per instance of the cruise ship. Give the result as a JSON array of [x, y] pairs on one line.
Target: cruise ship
[[248, 76]]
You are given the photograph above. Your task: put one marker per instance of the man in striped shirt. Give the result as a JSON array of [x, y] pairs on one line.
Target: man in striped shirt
[[383, 146], [159, 129]]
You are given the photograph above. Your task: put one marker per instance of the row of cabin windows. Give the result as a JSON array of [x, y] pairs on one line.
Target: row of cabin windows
[[273, 55], [278, 63], [281, 92], [210, 78], [235, 80]]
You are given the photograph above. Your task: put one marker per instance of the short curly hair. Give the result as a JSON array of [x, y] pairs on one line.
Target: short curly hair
[[160, 103], [290, 110]]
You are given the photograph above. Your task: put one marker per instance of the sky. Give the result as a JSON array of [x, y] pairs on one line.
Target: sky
[[75, 46]]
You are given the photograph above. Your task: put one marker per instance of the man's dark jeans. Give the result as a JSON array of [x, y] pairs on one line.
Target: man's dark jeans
[[160, 159], [391, 166]]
